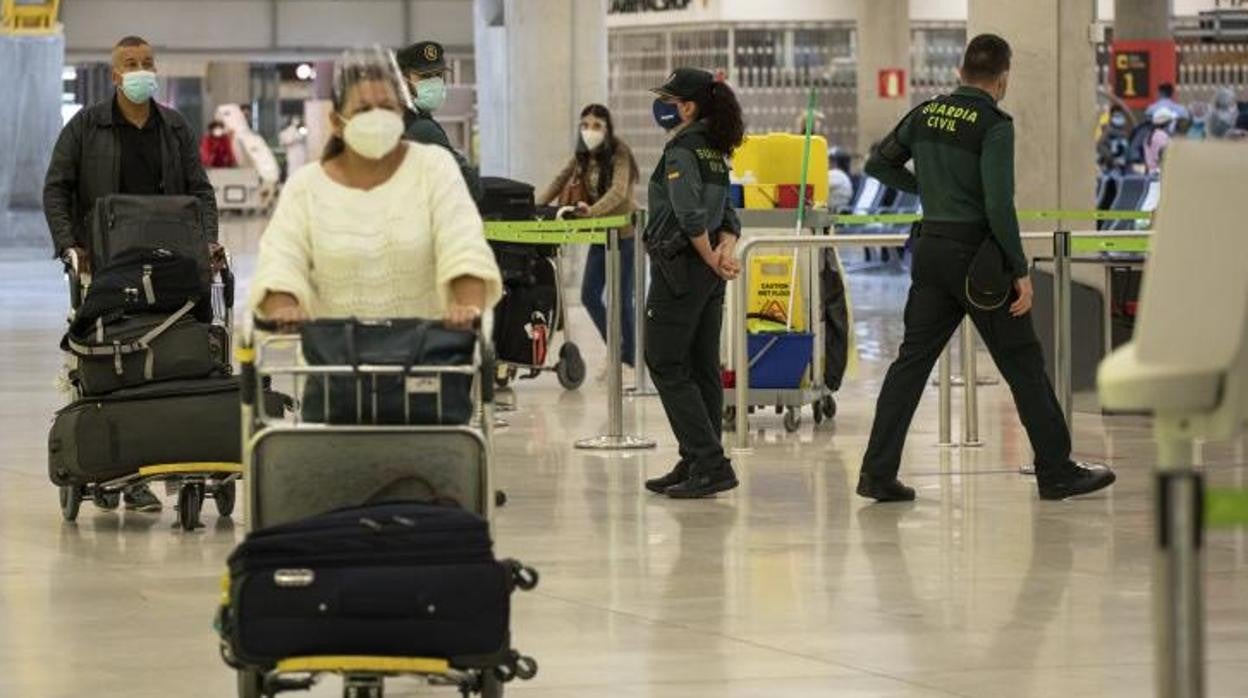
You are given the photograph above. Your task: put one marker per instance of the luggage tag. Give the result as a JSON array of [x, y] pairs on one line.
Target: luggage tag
[[422, 385]]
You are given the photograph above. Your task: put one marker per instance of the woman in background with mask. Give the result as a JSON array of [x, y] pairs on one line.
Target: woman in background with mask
[[691, 238], [380, 228], [216, 149], [599, 181]]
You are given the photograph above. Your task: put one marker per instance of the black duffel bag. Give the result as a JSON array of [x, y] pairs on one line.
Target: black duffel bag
[[143, 280], [400, 579], [122, 222], [122, 350], [402, 398], [505, 199]]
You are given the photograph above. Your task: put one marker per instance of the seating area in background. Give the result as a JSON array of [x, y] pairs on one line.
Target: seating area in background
[[871, 197], [1127, 192]]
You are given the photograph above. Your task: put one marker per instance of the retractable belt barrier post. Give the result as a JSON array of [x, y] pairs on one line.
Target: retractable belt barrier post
[[589, 231], [1083, 243], [641, 373]]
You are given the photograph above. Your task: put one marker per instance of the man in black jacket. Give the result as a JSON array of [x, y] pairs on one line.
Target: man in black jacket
[[126, 145]]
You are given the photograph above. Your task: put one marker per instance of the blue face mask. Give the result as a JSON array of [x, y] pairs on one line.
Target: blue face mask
[[666, 115], [139, 85], [430, 94]]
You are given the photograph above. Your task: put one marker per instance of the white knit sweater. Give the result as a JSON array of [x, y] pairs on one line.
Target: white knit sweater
[[387, 252]]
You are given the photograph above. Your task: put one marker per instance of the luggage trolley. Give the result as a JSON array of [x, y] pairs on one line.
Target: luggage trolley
[[193, 481], [297, 468]]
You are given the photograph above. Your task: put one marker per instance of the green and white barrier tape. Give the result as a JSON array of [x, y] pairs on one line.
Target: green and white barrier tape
[[880, 218], [1226, 508], [581, 231]]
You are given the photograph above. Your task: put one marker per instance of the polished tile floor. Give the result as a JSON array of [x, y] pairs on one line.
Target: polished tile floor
[[790, 586]]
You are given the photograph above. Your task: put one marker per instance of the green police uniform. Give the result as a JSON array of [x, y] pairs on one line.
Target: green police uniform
[[429, 58], [963, 150], [688, 196]]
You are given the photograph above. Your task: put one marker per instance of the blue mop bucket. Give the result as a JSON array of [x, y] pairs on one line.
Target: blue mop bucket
[[779, 360]]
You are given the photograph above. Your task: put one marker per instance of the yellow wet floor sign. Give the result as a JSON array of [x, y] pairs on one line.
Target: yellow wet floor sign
[[770, 279]]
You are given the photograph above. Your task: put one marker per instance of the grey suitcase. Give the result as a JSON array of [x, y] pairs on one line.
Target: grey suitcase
[[103, 438], [133, 350]]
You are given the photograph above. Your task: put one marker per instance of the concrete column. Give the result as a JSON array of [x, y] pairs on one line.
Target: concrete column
[[226, 83], [1142, 19], [537, 65], [1052, 97], [883, 42], [30, 120]]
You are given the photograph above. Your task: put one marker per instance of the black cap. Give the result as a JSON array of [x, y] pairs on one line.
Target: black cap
[[423, 57], [686, 83], [988, 280]]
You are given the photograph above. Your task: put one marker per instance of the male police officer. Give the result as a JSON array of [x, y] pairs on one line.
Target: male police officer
[[424, 66], [967, 257]]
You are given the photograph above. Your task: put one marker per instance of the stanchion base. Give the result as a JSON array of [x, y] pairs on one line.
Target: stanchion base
[[615, 443], [500, 423], [1026, 470], [739, 451], [972, 444], [950, 444], [960, 382], [634, 392]]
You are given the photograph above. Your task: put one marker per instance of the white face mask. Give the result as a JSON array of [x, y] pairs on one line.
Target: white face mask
[[374, 133], [592, 138]]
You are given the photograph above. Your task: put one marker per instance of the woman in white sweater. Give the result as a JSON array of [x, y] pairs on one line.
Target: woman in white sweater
[[380, 228]]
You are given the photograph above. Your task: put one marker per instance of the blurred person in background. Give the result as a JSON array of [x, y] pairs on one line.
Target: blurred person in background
[[1158, 140], [1200, 119], [216, 148], [294, 140], [840, 184], [1165, 100], [1223, 113], [598, 180], [1115, 143]]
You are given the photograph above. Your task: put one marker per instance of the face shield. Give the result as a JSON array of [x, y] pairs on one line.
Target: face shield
[[370, 97]]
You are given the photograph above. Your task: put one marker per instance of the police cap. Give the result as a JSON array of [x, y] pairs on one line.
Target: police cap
[[423, 57], [686, 83]]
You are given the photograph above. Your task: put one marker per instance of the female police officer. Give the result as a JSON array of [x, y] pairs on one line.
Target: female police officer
[[691, 238]]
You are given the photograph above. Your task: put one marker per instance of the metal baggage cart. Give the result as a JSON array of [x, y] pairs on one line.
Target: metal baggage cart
[[297, 468], [191, 482]]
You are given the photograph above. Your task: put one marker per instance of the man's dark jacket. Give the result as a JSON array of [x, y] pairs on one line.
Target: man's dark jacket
[[86, 165]]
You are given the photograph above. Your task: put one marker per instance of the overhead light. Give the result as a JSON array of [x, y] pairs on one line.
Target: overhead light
[[305, 72]]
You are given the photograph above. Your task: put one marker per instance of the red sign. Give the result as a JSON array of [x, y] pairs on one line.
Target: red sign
[[1138, 68], [892, 83]]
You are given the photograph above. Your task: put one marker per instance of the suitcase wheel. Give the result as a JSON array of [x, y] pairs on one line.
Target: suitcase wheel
[[224, 496], [108, 501], [71, 501], [190, 502], [571, 367]]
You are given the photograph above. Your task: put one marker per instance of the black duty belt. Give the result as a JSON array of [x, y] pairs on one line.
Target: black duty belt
[[971, 233]]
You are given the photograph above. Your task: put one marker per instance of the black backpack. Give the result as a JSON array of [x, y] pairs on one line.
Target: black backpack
[[143, 280]]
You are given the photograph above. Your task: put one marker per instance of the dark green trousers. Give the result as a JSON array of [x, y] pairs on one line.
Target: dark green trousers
[[684, 313], [934, 310]]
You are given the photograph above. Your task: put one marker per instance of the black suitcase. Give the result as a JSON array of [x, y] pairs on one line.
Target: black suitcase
[[102, 438], [399, 579], [125, 351], [506, 200], [143, 280], [123, 222]]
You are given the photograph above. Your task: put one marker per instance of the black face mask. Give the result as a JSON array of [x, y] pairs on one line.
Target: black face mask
[[666, 115]]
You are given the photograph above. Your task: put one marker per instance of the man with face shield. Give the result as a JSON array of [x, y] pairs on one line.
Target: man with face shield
[[380, 227], [424, 67], [968, 259], [127, 144]]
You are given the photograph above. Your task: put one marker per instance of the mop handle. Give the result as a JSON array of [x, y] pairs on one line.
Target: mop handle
[[801, 206]]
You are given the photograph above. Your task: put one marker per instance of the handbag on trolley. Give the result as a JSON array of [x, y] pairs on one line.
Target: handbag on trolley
[[405, 397]]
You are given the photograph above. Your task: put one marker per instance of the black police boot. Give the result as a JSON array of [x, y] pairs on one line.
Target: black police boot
[[705, 481], [882, 491], [1072, 480], [678, 475]]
